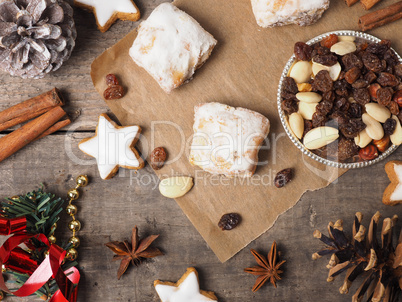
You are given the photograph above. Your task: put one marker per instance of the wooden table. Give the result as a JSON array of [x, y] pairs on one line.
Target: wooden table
[[109, 209]]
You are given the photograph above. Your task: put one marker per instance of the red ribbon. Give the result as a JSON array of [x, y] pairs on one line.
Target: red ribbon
[[50, 267], [12, 225], [20, 261]]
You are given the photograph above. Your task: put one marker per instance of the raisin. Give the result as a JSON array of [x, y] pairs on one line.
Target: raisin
[[322, 81], [323, 108], [328, 96], [111, 79], [339, 117], [329, 41], [320, 50], [346, 149], [352, 75], [386, 42], [387, 79], [398, 70], [289, 106], [327, 60], [355, 110], [318, 120], [370, 77], [308, 125], [361, 96], [289, 85], [360, 83], [377, 48], [283, 177], [350, 60], [389, 126], [372, 62], [341, 88], [303, 51], [352, 128], [158, 158], [391, 58], [393, 107], [229, 221], [341, 104], [384, 96], [114, 92]]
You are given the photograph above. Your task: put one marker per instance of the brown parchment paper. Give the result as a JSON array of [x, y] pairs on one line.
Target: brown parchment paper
[[243, 70]]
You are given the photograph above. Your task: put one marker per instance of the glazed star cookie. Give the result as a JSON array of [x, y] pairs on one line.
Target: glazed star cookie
[[187, 289], [113, 147], [393, 193], [108, 11]]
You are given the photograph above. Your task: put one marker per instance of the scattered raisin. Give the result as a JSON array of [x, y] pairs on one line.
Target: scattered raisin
[[352, 75], [283, 177], [384, 96], [229, 221], [350, 60], [111, 79], [327, 60], [329, 41], [303, 51], [389, 126], [361, 96], [387, 79], [289, 106], [158, 158], [322, 81], [113, 92], [371, 62]]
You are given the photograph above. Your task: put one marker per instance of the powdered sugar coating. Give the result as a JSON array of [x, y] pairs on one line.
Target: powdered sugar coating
[[269, 13], [171, 45], [227, 139]]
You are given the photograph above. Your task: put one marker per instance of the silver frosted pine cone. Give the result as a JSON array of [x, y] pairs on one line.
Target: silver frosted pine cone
[[36, 36]]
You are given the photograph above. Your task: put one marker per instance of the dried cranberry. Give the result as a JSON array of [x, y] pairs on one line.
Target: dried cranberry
[[350, 60], [372, 62], [303, 51], [361, 96], [283, 177], [352, 75], [289, 106], [329, 41], [387, 79], [322, 81], [389, 126], [229, 221], [327, 60]]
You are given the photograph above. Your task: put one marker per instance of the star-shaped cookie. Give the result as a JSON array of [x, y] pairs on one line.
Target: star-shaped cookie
[[393, 193], [113, 147], [187, 289], [108, 11]]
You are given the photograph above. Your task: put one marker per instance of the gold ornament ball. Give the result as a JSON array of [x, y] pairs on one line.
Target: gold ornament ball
[[71, 209], [73, 194], [52, 239], [82, 180], [72, 254], [75, 241], [74, 225]]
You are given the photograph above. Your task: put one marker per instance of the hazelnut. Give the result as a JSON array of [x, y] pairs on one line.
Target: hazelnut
[[382, 144], [368, 153], [398, 98], [373, 91]]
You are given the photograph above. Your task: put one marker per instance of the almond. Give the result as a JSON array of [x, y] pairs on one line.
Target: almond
[[309, 97], [301, 71], [378, 112], [334, 70], [396, 137], [362, 139], [307, 110], [374, 128], [296, 123], [320, 137], [346, 38], [174, 187], [344, 47]]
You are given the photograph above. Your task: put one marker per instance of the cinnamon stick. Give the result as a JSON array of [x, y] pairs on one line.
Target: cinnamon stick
[[381, 17], [351, 2], [29, 109], [59, 125], [21, 137], [367, 4]]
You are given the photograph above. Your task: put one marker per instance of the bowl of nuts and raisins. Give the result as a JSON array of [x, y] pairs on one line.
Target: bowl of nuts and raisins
[[340, 99]]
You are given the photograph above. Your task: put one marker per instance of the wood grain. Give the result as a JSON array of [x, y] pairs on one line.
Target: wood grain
[[109, 209]]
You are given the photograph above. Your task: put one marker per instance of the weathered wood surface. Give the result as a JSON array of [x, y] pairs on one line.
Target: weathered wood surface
[[109, 209]]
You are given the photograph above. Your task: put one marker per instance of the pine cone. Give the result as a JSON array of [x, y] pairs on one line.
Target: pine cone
[[380, 262], [36, 36]]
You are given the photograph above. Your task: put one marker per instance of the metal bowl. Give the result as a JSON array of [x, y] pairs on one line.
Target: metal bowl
[[283, 117]]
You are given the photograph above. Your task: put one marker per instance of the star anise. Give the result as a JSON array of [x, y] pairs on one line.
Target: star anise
[[133, 252], [267, 268]]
